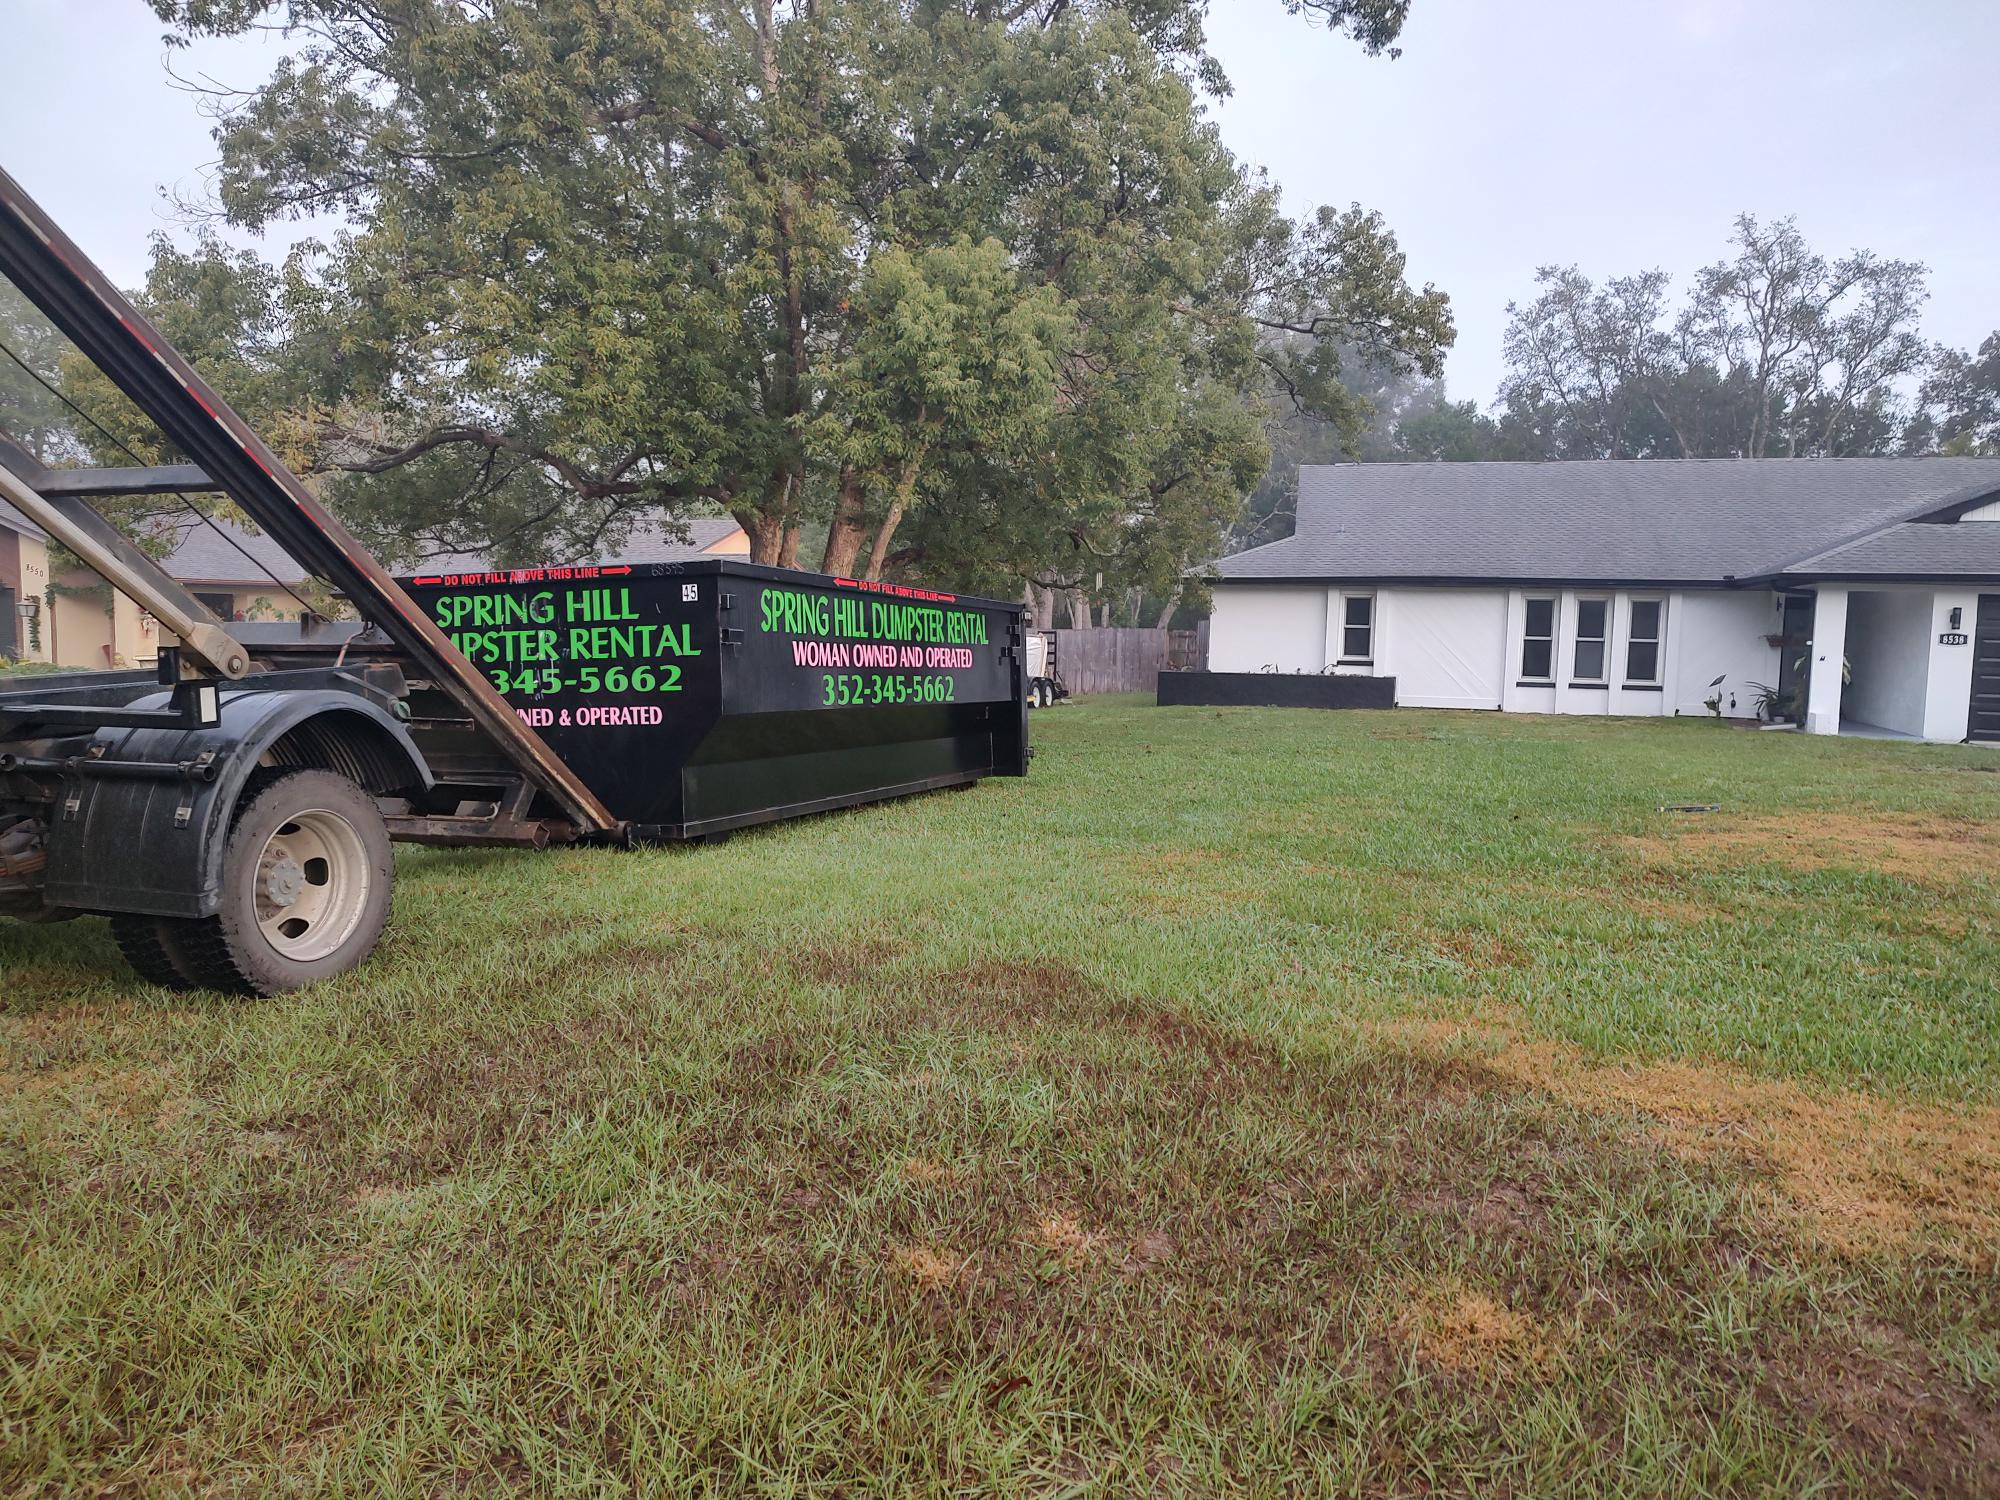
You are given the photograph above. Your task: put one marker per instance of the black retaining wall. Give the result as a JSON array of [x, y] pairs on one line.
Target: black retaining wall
[[1274, 690]]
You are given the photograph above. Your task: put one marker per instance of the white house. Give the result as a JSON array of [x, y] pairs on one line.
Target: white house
[[1631, 587]]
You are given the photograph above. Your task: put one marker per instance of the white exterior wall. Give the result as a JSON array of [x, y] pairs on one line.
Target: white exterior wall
[[1905, 677], [1948, 674], [1824, 688], [1255, 628], [1888, 652], [1720, 633], [1446, 648], [1706, 633], [1461, 648], [1517, 696]]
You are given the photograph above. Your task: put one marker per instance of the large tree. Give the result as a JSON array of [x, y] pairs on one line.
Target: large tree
[[1777, 350], [1961, 402], [971, 285]]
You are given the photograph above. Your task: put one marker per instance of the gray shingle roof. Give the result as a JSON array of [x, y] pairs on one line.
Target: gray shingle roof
[[647, 542], [1912, 550], [1614, 521], [203, 556], [13, 520], [199, 554], [226, 553]]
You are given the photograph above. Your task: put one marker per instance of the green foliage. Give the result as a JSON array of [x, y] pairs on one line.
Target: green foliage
[[1776, 351], [13, 667], [56, 404], [1961, 402], [984, 265], [29, 413]]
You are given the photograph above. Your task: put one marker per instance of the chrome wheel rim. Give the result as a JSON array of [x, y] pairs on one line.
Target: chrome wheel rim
[[313, 882]]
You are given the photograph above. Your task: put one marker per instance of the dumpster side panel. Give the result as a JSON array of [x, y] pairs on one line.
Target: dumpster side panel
[[701, 696], [615, 667]]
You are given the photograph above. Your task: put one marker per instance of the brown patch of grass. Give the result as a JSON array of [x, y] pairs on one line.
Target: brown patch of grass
[[931, 1269], [1882, 1395], [1191, 902], [922, 1172], [131, 1093], [1656, 893], [29, 988], [1021, 992], [1479, 952], [1465, 1332], [1679, 912], [1867, 1172], [1153, 1248], [1911, 846], [1158, 862], [1065, 1238]]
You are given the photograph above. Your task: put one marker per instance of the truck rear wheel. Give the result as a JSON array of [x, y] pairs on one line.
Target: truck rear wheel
[[151, 947], [305, 889]]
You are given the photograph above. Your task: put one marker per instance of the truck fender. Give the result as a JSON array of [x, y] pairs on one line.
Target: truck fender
[[124, 842]]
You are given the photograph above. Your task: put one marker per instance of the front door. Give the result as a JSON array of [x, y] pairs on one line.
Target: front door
[[1794, 640], [1984, 721], [9, 621]]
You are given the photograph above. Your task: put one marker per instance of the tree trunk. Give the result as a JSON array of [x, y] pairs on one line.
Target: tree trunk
[[1167, 614], [906, 484], [1079, 610], [767, 534], [849, 525], [881, 548], [1041, 607], [788, 550]]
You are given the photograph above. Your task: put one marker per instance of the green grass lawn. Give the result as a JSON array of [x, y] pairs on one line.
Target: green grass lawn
[[1248, 1101]]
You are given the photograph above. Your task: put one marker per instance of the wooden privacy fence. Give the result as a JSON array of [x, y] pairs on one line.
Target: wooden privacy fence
[[1118, 659]]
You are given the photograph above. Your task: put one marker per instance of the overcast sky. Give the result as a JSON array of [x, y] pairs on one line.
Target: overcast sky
[[1510, 134]]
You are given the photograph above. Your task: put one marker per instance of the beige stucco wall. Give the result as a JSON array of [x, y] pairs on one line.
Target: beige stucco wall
[[90, 635], [24, 568], [252, 604]]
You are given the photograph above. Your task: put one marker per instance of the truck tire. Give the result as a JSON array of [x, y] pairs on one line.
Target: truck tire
[[305, 889], [151, 946]]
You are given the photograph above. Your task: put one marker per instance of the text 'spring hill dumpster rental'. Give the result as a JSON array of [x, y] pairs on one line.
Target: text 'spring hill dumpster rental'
[[702, 696]]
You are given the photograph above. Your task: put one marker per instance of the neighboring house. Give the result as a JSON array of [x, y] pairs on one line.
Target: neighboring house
[[244, 575], [649, 542], [75, 619], [24, 588], [1629, 587], [239, 574]]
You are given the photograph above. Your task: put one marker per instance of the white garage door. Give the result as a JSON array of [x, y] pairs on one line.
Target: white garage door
[[1447, 647]]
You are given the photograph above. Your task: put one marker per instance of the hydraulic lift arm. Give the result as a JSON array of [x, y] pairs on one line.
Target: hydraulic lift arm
[[60, 280]]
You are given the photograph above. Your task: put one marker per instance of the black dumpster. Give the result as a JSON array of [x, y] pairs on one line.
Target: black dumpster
[[702, 696]]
